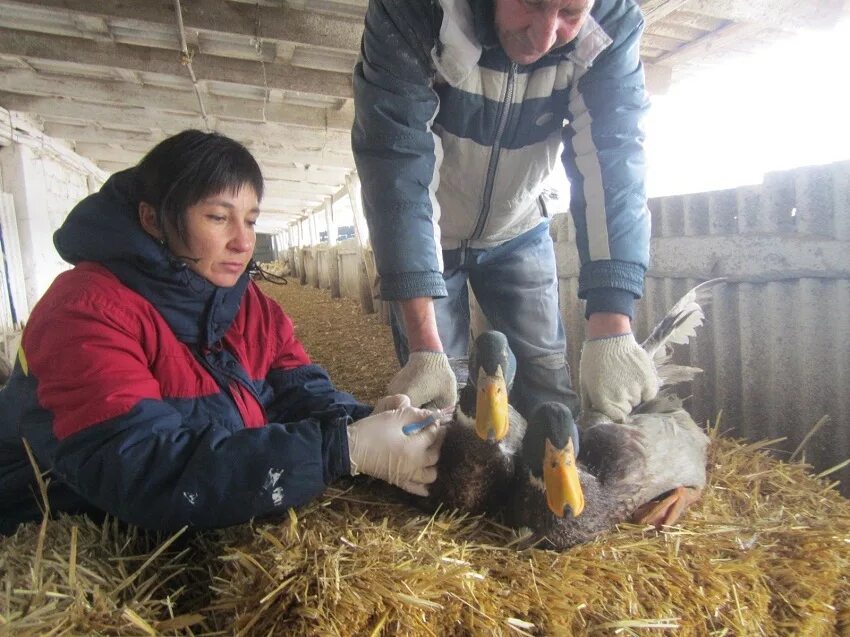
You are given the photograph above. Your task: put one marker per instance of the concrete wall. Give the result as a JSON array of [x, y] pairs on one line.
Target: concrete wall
[[349, 268], [312, 267], [776, 349], [263, 249]]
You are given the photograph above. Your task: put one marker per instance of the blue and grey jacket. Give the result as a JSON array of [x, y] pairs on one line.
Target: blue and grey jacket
[[453, 142]]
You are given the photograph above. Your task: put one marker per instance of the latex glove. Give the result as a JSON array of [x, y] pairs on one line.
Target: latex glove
[[427, 378], [378, 447], [396, 401], [616, 375]]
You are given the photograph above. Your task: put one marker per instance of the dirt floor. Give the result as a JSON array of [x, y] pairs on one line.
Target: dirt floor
[[355, 348]]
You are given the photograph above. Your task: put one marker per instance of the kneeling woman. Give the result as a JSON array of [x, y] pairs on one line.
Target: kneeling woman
[[157, 383]]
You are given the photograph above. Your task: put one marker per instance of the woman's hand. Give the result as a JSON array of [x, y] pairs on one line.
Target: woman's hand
[[390, 446]]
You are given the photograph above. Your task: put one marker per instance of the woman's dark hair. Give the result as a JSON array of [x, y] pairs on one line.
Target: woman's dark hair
[[184, 169]]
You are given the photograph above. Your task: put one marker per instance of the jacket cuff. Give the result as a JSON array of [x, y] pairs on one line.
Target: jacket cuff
[[622, 275], [335, 451], [610, 300], [410, 285]]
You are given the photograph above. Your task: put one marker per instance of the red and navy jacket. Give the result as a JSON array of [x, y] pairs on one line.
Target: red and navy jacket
[[152, 395]]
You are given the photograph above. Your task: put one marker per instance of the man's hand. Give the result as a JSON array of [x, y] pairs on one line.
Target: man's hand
[[616, 374], [427, 378], [379, 447]]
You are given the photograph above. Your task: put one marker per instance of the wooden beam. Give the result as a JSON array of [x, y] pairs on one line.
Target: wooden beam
[[779, 14], [106, 56], [353, 9], [311, 148], [13, 275], [712, 43], [277, 188], [292, 203], [213, 17], [368, 278], [657, 10], [147, 138], [330, 222], [181, 100], [276, 185], [98, 134]]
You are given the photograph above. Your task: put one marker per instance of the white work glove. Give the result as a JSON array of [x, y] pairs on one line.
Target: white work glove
[[427, 379], [379, 447], [616, 374], [396, 401]]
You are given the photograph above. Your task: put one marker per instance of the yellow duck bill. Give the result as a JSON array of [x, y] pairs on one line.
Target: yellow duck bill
[[561, 480], [491, 409]]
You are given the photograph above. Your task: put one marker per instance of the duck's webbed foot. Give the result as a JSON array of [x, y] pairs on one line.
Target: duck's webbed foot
[[667, 508]]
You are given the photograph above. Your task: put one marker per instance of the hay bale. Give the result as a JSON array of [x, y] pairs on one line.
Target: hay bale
[[765, 552]]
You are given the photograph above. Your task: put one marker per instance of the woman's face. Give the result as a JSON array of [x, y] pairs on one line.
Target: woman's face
[[220, 236]]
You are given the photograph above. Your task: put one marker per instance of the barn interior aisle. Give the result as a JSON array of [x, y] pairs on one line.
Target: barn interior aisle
[[355, 348], [765, 552]]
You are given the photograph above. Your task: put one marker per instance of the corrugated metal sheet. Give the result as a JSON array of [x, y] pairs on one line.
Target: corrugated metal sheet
[[776, 348]]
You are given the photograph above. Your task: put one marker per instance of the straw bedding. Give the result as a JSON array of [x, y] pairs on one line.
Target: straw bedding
[[766, 552]]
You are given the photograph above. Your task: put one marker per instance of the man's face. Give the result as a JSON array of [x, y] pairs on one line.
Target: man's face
[[529, 29]]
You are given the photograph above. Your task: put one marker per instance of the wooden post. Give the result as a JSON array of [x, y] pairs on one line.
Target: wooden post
[[16, 307], [293, 249], [302, 265], [367, 266], [333, 259], [314, 249]]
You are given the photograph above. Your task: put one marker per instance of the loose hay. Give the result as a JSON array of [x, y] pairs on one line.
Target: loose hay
[[766, 552], [94, 579]]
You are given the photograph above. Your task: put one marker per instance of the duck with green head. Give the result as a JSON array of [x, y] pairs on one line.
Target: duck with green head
[[476, 464]]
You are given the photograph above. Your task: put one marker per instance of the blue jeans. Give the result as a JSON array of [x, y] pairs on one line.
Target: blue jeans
[[516, 285]]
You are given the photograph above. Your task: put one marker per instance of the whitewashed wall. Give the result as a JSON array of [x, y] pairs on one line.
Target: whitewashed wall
[[43, 179]]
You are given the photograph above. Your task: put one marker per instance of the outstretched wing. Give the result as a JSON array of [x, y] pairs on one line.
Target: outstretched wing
[[677, 327]]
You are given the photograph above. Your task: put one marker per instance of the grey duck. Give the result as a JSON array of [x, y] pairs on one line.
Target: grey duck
[[648, 469]]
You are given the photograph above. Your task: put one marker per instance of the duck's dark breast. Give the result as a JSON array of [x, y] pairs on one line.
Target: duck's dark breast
[[528, 508], [472, 474]]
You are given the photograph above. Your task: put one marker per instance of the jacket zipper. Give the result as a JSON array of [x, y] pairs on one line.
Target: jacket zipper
[[504, 115], [222, 374]]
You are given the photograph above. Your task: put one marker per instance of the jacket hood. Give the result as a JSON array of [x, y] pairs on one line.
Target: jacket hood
[[104, 228]]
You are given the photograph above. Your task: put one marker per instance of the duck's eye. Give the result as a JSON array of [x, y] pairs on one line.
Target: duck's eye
[[498, 390]]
